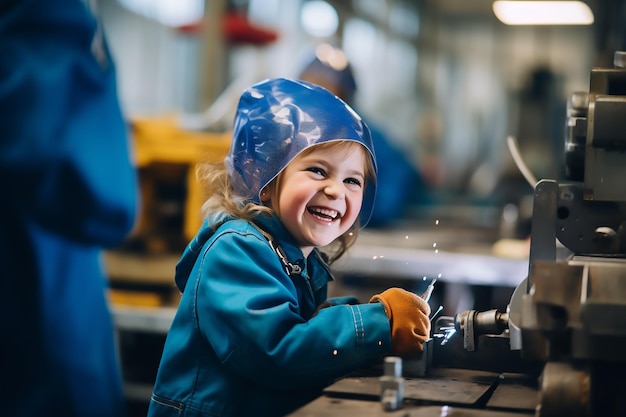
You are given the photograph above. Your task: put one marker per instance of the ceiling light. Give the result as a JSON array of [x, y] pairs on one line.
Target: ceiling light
[[173, 13], [319, 18], [543, 12]]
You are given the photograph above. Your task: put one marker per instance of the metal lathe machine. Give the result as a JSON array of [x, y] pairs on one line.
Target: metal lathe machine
[[559, 348]]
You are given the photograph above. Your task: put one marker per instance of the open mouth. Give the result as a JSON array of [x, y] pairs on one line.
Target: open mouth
[[324, 214]]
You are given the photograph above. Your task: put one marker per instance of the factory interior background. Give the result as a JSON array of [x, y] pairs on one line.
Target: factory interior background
[[447, 82]]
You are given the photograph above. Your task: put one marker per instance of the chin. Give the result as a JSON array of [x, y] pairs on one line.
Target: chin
[[323, 242]]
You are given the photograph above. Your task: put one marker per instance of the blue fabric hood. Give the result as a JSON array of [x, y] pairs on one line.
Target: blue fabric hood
[[277, 119]]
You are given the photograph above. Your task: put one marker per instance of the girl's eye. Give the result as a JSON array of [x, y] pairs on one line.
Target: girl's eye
[[316, 170], [353, 181]]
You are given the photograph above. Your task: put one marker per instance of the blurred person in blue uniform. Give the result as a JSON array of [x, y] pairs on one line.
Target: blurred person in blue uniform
[[68, 189], [401, 183], [254, 333]]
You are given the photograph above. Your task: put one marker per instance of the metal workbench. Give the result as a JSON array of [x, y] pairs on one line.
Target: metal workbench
[[444, 392], [457, 255]]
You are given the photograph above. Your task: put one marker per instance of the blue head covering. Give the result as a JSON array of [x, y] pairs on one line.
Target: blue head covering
[[277, 119]]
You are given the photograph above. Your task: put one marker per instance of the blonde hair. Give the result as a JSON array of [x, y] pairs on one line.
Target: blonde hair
[[222, 198]]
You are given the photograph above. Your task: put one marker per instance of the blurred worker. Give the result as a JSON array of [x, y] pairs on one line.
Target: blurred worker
[[251, 336], [67, 189], [401, 183]]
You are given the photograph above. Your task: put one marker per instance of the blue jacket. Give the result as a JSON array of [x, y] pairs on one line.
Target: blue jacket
[[68, 189], [246, 340]]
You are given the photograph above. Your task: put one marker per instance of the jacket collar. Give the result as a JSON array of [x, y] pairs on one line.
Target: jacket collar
[[314, 268]]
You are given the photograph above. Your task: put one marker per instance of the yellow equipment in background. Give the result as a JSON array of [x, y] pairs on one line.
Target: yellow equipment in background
[[141, 271]]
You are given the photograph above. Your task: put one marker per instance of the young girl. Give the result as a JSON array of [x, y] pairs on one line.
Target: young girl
[[254, 334]]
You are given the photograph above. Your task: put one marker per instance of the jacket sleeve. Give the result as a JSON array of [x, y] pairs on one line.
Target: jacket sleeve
[[248, 309], [64, 157]]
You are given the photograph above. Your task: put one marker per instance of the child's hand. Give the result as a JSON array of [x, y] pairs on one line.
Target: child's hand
[[408, 317]]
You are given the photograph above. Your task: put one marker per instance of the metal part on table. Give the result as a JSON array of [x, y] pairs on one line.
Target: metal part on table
[[392, 384]]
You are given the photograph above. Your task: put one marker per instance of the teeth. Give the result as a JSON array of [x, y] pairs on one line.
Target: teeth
[[327, 212]]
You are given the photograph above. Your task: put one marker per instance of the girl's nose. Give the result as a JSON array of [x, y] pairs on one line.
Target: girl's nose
[[335, 190]]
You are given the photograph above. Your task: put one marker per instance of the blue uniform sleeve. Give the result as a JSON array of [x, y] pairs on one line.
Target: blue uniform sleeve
[[348, 299], [249, 311], [63, 141]]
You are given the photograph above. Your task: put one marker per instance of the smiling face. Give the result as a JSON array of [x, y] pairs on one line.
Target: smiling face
[[319, 194]]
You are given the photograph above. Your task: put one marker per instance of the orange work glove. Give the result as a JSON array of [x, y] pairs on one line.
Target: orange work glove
[[408, 317]]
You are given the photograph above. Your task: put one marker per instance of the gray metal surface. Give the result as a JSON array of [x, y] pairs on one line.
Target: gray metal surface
[[515, 392], [458, 393], [339, 407], [450, 386], [145, 319], [389, 262], [448, 251]]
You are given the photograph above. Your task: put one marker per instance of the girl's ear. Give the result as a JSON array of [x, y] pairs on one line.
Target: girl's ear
[[265, 195]]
